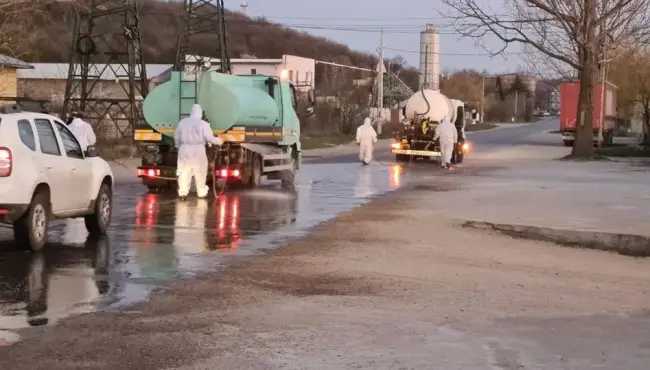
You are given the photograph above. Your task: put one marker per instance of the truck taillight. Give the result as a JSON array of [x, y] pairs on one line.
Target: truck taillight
[[151, 172], [232, 173], [6, 162]]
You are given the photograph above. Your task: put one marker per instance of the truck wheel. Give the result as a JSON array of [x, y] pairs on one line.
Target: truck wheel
[[401, 158], [289, 176], [459, 157], [255, 178], [568, 143], [288, 179], [98, 222], [30, 231]]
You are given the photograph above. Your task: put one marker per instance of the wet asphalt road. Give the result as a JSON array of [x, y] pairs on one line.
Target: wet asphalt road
[[155, 240]]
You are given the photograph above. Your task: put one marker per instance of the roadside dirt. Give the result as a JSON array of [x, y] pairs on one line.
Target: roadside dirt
[[391, 285]]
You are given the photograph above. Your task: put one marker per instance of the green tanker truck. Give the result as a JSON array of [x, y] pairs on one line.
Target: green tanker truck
[[256, 116]]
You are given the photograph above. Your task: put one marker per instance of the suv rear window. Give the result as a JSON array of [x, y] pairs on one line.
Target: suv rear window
[[26, 134], [47, 137]]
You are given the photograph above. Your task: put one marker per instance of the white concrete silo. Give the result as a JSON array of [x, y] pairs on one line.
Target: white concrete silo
[[430, 58]]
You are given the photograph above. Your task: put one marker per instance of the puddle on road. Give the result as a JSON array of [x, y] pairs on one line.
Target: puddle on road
[[154, 240]]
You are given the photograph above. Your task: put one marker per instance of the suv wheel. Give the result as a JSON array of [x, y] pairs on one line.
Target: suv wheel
[[30, 231], [100, 220]]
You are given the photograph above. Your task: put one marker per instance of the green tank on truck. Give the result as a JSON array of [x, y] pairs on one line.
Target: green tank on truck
[[256, 116]]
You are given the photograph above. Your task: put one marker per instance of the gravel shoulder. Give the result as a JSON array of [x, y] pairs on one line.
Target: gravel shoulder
[[394, 284]]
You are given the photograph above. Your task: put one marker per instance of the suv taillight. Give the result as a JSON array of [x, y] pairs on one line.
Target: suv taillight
[[6, 162]]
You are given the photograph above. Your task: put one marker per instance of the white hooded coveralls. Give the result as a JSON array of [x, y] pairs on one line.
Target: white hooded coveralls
[[190, 138], [446, 132], [366, 136], [84, 133]]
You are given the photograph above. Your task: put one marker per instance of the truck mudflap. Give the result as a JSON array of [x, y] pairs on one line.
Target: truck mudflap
[[419, 153]]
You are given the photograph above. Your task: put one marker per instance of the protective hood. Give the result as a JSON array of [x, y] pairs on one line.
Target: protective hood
[[197, 112], [367, 122], [77, 122]]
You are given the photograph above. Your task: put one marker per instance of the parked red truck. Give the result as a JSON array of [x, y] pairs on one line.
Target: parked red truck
[[569, 92]]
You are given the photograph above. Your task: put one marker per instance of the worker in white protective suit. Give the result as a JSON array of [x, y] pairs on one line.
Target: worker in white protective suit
[[190, 137], [83, 131], [366, 136], [448, 136]]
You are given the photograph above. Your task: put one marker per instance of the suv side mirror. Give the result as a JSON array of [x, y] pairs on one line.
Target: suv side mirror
[[91, 152], [311, 97]]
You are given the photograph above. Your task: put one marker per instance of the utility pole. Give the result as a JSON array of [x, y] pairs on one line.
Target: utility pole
[[516, 101], [202, 19], [390, 85], [482, 98], [380, 88], [603, 67], [113, 51]]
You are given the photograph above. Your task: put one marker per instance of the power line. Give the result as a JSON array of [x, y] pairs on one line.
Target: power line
[[352, 18], [459, 54], [369, 18], [413, 29], [267, 21]]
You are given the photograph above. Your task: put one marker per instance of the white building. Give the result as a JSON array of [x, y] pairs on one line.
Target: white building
[[296, 69], [52, 76]]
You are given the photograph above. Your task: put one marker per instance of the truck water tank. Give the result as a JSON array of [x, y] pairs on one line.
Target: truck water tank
[[438, 106], [227, 101], [230, 100]]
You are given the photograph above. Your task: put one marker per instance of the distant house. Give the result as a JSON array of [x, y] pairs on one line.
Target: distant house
[[9, 67]]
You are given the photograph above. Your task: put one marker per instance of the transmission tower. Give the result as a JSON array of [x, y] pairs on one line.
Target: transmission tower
[[202, 18], [106, 46]]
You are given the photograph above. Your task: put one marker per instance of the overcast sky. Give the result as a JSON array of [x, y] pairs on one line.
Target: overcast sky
[[402, 21]]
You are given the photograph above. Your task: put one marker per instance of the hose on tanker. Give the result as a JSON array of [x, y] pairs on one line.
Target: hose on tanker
[[426, 101], [215, 157]]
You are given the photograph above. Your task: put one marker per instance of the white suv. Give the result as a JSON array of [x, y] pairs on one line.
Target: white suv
[[45, 175]]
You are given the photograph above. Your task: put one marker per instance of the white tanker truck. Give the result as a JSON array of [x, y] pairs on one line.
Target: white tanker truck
[[423, 111]]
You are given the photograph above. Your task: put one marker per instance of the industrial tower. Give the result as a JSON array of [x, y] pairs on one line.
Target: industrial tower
[[106, 46], [201, 19]]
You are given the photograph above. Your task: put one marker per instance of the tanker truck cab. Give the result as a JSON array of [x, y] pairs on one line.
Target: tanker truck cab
[[257, 117]]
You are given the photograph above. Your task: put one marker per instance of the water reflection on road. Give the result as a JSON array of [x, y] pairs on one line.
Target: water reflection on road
[[156, 239], [41, 288]]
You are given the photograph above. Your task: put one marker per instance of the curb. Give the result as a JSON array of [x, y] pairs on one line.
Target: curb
[[625, 244]]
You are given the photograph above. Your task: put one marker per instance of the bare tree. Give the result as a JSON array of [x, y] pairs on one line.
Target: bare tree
[[464, 85], [573, 34], [17, 25]]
